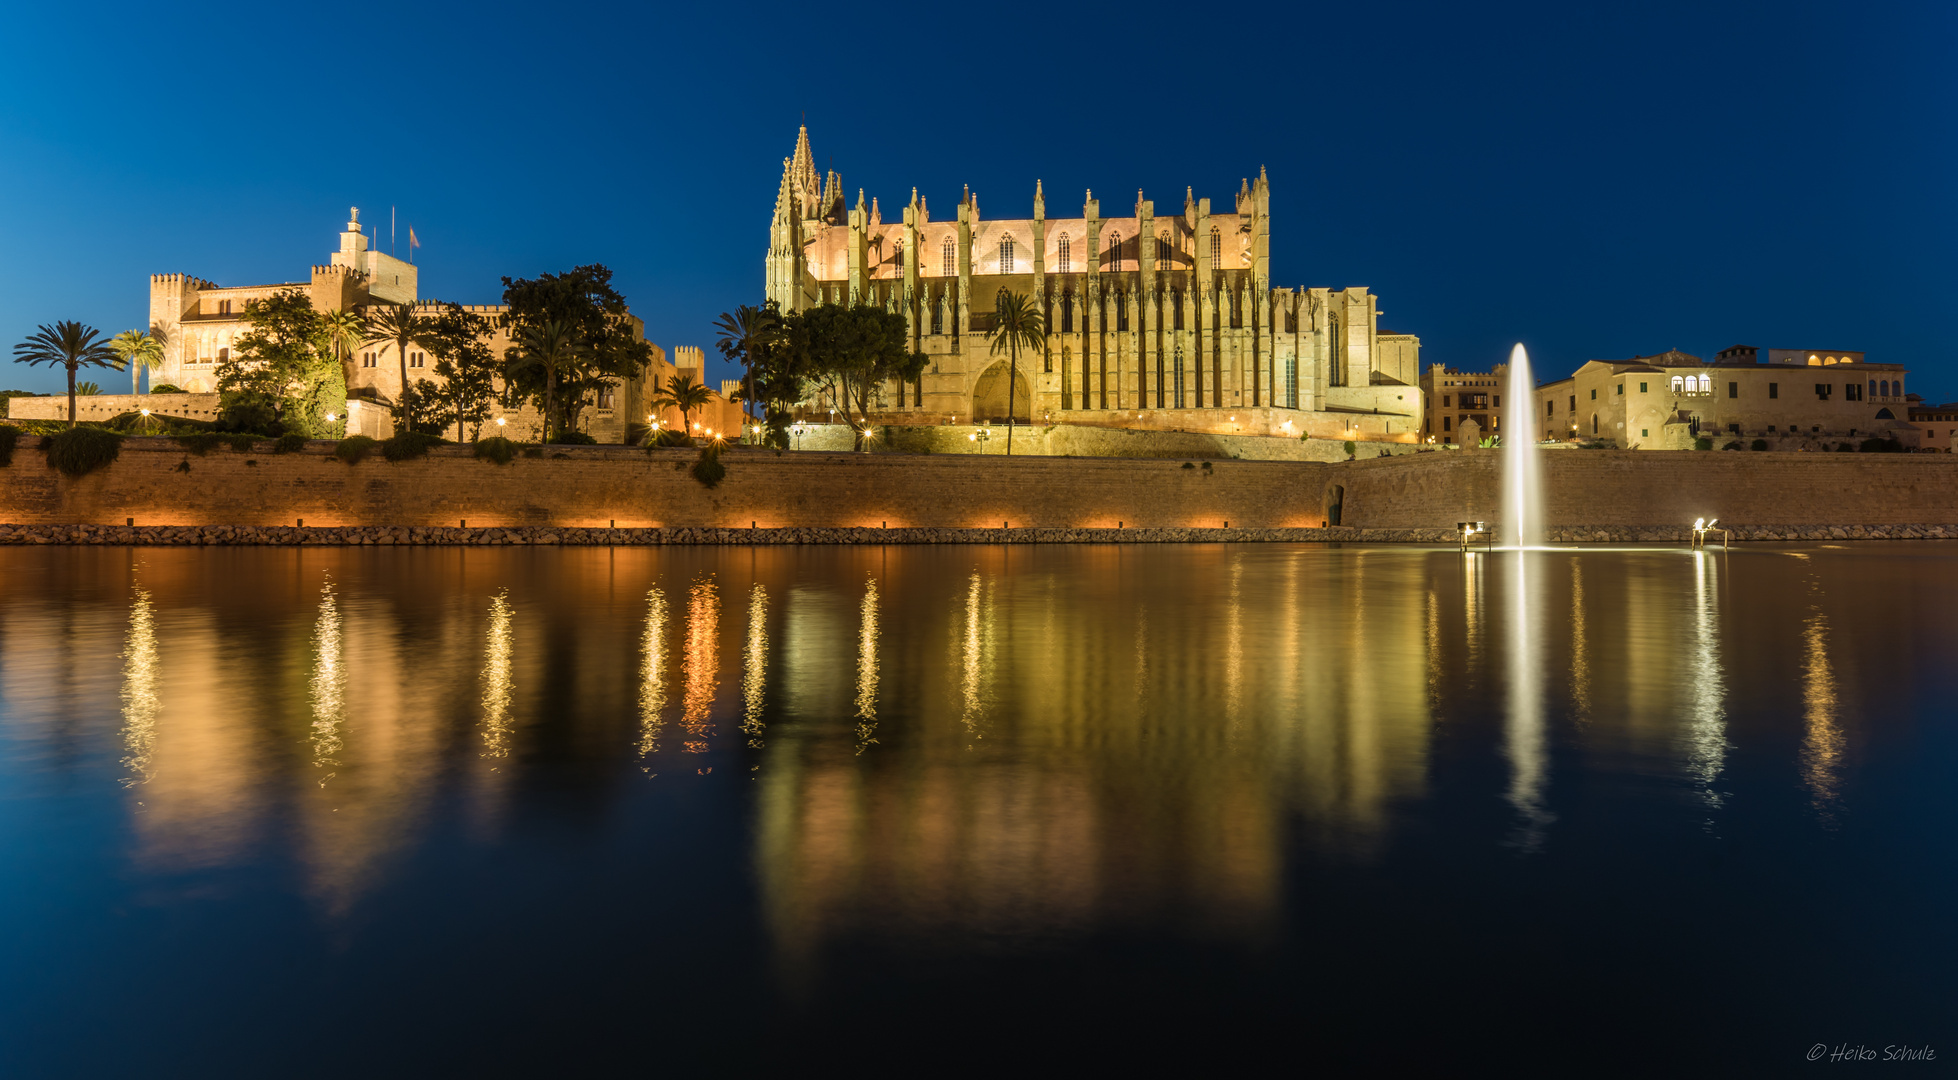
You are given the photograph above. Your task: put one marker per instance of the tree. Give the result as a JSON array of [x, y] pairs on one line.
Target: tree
[[70, 344], [138, 349], [1016, 322], [745, 338], [459, 341], [398, 325], [281, 373], [851, 352], [546, 350], [682, 393], [590, 313]]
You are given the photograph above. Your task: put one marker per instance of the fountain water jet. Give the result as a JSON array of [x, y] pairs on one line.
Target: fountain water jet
[[1522, 518]]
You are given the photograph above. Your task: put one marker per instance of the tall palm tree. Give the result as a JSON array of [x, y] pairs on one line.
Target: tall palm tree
[[684, 394], [71, 345], [552, 346], [397, 325], [137, 349], [745, 336], [1016, 322]]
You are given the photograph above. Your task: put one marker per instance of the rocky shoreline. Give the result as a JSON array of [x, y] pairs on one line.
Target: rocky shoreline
[[547, 536]]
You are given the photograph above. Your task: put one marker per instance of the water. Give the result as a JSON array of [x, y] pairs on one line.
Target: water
[[426, 811], [1522, 524]]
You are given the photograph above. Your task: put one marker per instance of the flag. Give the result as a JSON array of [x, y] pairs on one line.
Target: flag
[[412, 242]]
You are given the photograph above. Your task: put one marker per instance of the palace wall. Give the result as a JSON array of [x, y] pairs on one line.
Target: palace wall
[[594, 486]]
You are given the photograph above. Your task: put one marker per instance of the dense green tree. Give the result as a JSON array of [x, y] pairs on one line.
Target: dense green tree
[[745, 337], [851, 352], [1017, 323], [281, 371], [138, 350], [468, 368], [591, 315], [685, 395], [401, 326], [71, 345]]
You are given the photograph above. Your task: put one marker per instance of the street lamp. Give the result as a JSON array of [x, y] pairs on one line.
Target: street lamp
[[979, 438], [500, 421], [1233, 425], [797, 432]]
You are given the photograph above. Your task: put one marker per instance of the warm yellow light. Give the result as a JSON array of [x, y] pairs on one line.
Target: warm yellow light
[[146, 412], [972, 438], [499, 421]]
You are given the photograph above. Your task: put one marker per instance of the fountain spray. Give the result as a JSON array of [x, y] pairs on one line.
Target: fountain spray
[[1522, 510]]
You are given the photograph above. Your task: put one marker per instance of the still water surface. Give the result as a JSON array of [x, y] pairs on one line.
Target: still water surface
[[421, 810]]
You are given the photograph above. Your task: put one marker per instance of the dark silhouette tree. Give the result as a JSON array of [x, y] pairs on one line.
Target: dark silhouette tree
[[71, 345]]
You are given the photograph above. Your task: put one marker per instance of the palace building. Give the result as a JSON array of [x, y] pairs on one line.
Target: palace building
[[1155, 321]]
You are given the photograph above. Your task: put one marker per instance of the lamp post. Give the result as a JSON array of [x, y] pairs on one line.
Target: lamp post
[[797, 432], [978, 438]]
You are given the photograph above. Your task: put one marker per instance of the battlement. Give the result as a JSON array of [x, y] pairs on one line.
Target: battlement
[[186, 280], [689, 356], [337, 271]]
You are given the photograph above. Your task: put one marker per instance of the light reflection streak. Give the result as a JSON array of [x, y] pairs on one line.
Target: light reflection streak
[[1234, 650], [753, 673], [1523, 733], [1706, 729], [867, 669], [1434, 649], [329, 683], [1580, 657], [703, 664], [1822, 749], [652, 672], [1142, 694], [140, 701], [973, 660], [496, 680]]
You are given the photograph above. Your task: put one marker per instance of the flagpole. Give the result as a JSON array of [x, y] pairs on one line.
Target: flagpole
[[391, 248]]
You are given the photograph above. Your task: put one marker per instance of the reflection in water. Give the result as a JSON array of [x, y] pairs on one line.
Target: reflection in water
[[140, 702], [1706, 727], [1523, 733], [974, 659], [703, 665], [1434, 648], [755, 667], [328, 684], [1580, 657], [652, 672], [867, 669], [1234, 648], [1822, 749], [496, 680]]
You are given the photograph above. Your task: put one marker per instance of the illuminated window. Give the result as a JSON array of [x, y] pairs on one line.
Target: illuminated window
[[951, 257], [1677, 383], [1066, 261], [1006, 255]]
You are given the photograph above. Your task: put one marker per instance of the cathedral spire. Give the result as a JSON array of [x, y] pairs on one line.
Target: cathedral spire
[[1039, 201]]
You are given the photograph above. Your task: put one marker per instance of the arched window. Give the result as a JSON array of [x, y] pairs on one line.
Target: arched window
[[1706, 384], [1216, 248], [897, 260], [1676, 384], [1885, 384], [1165, 258], [1064, 263], [1006, 255], [1114, 251], [224, 355], [1873, 392], [951, 257], [1067, 302]]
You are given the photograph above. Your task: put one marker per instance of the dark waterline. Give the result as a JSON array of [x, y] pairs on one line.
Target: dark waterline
[[307, 812]]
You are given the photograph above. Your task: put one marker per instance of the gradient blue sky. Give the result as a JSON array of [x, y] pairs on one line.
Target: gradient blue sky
[[1592, 180]]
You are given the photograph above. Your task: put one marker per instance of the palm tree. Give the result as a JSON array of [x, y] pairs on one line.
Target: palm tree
[[552, 346], [71, 345], [397, 325], [744, 336], [1015, 323], [345, 331], [684, 394], [138, 349]]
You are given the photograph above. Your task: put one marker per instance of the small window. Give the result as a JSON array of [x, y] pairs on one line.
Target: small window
[[1733, 389], [1498, 401], [1679, 385], [1621, 389], [1774, 391], [1445, 403], [1594, 394], [897, 260], [1733, 429], [224, 354], [1447, 423], [1644, 433], [1115, 251], [1641, 388], [1549, 408], [1573, 404]]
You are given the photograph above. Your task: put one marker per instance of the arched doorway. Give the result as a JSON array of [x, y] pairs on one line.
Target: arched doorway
[[989, 396]]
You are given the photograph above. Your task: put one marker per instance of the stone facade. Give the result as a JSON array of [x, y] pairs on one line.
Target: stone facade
[[1168, 320], [1793, 399], [199, 324], [1937, 426]]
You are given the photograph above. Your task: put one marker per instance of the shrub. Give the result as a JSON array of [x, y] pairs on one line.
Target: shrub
[[199, 443], [1189, 464], [533, 451], [670, 437], [242, 443], [248, 412], [289, 443], [1702, 443], [1759, 444], [496, 449], [9, 435], [354, 449], [1882, 446], [166, 388], [408, 445], [1351, 449], [575, 438], [80, 451], [709, 470]]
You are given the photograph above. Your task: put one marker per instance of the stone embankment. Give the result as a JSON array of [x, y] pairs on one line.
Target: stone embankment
[[545, 536]]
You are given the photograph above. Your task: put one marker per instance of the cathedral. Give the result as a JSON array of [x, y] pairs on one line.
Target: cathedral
[[1163, 322]]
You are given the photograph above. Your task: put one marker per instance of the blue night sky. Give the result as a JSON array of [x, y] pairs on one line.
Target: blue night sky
[[1593, 180]]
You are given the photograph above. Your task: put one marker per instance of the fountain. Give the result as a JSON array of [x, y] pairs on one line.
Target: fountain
[[1522, 518]]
